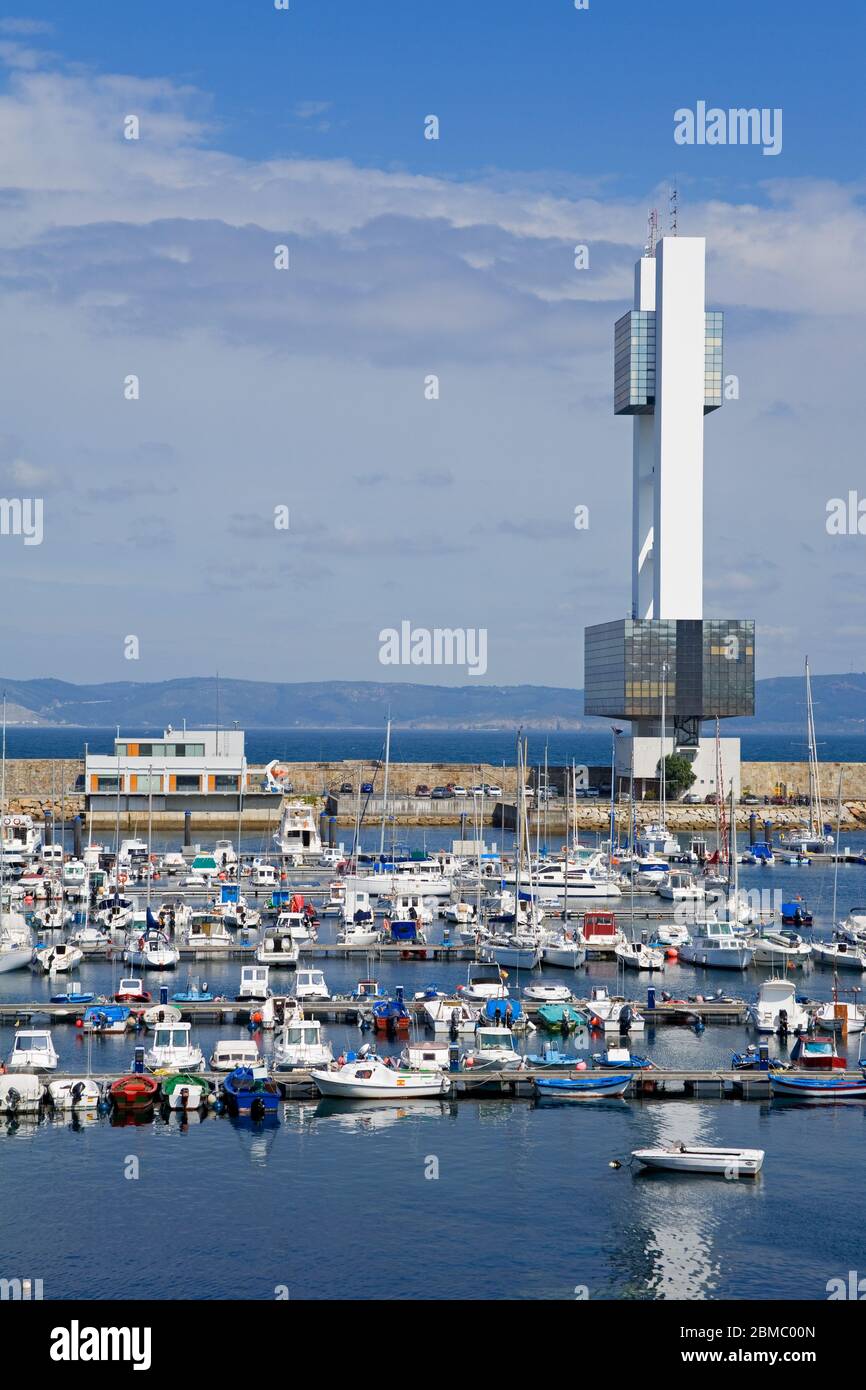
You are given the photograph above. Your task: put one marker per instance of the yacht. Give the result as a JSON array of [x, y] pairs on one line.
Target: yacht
[[776, 1009], [519, 952], [715, 944], [680, 886], [563, 949], [298, 837], [656, 840], [20, 841], [775, 947], [151, 951], [16, 945]]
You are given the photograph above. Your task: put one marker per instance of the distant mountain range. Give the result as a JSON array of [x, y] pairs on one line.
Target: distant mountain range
[[840, 705]]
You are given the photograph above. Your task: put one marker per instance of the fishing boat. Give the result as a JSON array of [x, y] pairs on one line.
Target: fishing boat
[[208, 933], [311, 984], [369, 1079], [74, 995], [580, 1086], [687, 1158], [74, 1093], [299, 1043], [33, 1050], [391, 1015], [751, 1060], [248, 1094], [832, 1088], [840, 1016], [195, 993], [173, 1049], [229, 1054], [183, 1092], [817, 1054], [599, 932], [450, 1015], [776, 1009], [21, 1094], [495, 1050], [367, 989], [133, 1092], [637, 955], [106, 1018], [715, 945], [839, 955], [130, 991]]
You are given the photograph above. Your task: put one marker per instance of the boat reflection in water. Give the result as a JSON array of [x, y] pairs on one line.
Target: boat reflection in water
[[366, 1115]]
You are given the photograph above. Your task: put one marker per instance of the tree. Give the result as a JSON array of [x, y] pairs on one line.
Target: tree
[[678, 775]]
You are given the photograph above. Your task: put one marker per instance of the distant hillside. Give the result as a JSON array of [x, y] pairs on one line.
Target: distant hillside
[[840, 705]]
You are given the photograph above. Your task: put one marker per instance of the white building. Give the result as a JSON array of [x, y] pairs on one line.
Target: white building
[[189, 763]]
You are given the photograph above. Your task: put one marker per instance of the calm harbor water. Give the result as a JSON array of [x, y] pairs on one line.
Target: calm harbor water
[[336, 1201], [423, 745]]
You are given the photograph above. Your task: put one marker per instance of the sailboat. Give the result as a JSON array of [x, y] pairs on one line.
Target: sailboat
[[818, 839]]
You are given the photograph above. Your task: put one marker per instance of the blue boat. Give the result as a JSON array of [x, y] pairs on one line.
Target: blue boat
[[630, 1063], [817, 1087], [391, 1015], [751, 1061], [550, 1057], [248, 1094], [581, 1086], [72, 998], [106, 1018], [497, 1010]]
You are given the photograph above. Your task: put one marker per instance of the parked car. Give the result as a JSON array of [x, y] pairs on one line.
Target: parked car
[[457, 791], [494, 790], [422, 789], [346, 788], [440, 794], [711, 799], [367, 788], [750, 800], [692, 798]]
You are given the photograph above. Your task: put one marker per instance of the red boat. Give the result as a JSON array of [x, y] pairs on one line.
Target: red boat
[[817, 1054], [129, 1092], [131, 992]]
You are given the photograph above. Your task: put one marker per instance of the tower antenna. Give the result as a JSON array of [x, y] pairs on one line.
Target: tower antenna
[[652, 232], [674, 207]]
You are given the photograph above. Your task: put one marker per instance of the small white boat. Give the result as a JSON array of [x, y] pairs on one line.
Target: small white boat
[[682, 1158], [173, 1049], [679, 886], [89, 940], [479, 990], [716, 945], [459, 914], [21, 1094], [426, 1056], [671, 934], [836, 1016], [59, 959], [605, 1010], [33, 1050], [516, 952], [311, 984], [548, 994], [495, 1050], [254, 982], [358, 934], [229, 1053], [161, 1013], [152, 951], [636, 955], [776, 1009], [277, 948], [207, 932], [778, 947], [561, 949], [839, 955], [299, 1043], [370, 1079], [443, 1015], [16, 946], [74, 1093]]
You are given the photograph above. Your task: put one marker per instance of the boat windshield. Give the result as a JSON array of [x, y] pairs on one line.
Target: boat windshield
[[489, 1041], [31, 1043]]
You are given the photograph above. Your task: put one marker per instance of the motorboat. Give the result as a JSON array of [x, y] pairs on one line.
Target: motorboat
[[311, 984], [516, 952], [840, 1016], [230, 1053], [622, 1059], [495, 1050], [460, 914], [839, 955], [90, 940], [254, 982], [559, 1017], [21, 1094], [599, 932], [390, 1015], [161, 1013], [680, 887], [173, 1049], [180, 1091], [299, 1044], [33, 1050], [448, 1015], [817, 1053], [751, 1060], [16, 946], [294, 922], [225, 854], [237, 914], [135, 1091], [548, 994], [581, 1086], [406, 906], [247, 1093], [671, 934], [74, 995], [106, 1018], [479, 990], [116, 915], [605, 1010], [57, 959], [369, 1078], [52, 917], [716, 945], [780, 947], [656, 841], [131, 991], [196, 992], [776, 1009], [426, 1056], [20, 840], [278, 948], [75, 1093], [208, 932], [853, 929], [687, 1158], [637, 955], [297, 837]]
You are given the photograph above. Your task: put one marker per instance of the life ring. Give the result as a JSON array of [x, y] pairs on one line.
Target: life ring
[[122, 878]]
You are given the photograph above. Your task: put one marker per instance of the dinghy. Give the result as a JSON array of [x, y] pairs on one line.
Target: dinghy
[[183, 1092], [248, 1094], [682, 1158], [817, 1087], [74, 1093], [548, 994], [133, 1092], [580, 1086], [21, 1094]]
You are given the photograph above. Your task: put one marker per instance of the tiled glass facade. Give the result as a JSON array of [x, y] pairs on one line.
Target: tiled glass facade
[[634, 362], [708, 667]]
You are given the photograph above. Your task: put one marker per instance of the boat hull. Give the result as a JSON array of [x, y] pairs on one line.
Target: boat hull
[[586, 1087], [728, 1163], [817, 1088]]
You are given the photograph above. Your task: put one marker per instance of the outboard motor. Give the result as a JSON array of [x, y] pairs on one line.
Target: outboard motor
[[625, 1018], [783, 1023]]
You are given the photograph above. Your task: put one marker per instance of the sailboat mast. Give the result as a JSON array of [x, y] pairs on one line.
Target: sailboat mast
[[385, 788], [662, 770]]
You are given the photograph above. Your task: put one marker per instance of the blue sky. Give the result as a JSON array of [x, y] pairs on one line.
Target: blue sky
[[409, 257]]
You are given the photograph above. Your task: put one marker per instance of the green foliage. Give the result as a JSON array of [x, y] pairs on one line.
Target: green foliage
[[678, 775]]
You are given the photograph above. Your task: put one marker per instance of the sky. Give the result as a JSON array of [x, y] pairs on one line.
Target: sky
[[301, 393]]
